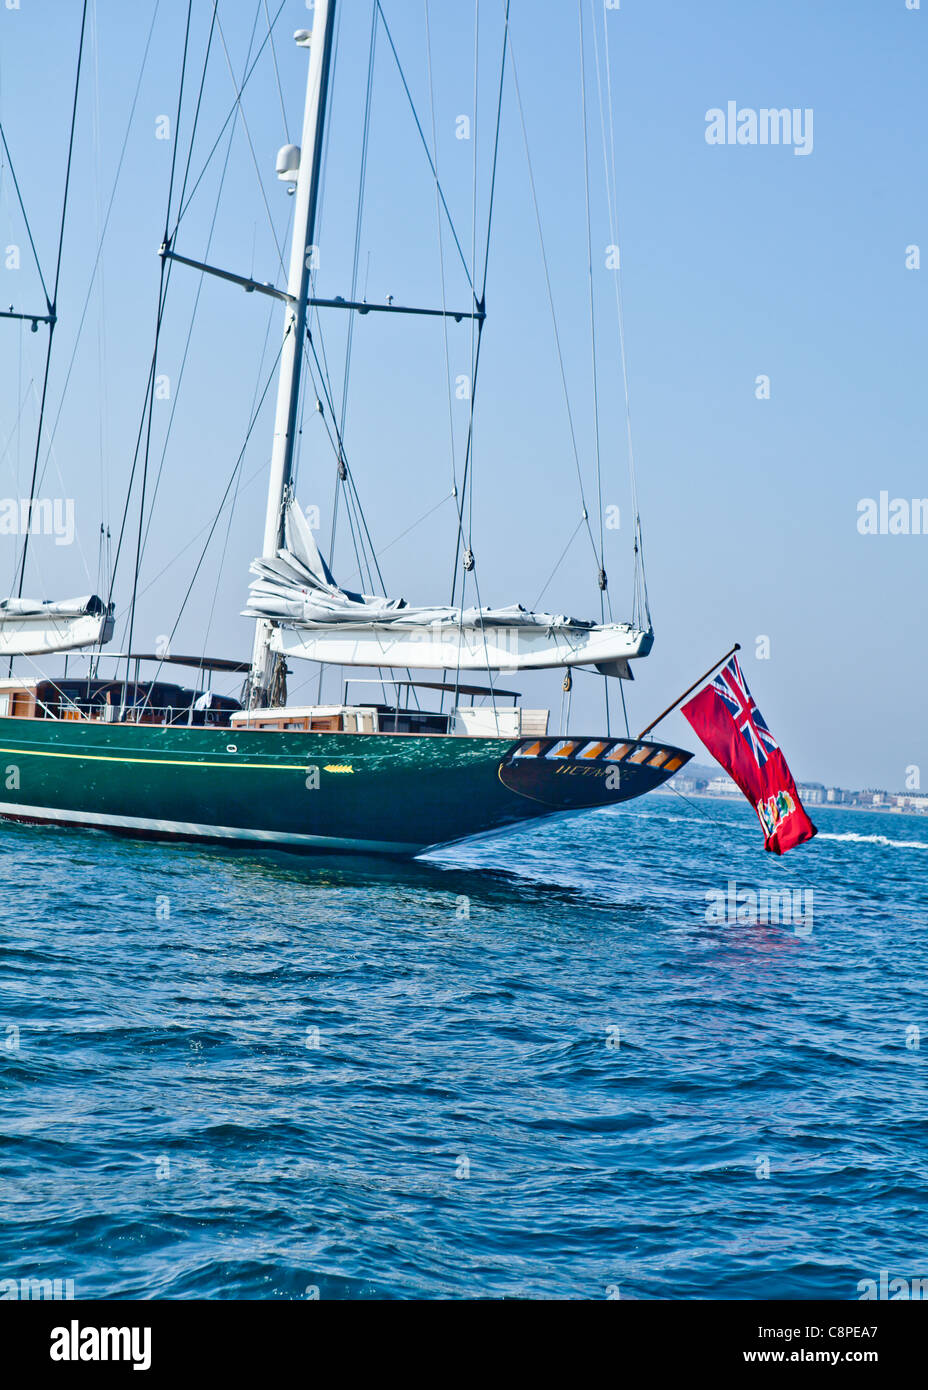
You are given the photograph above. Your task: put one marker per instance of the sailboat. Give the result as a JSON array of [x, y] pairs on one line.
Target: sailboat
[[151, 759]]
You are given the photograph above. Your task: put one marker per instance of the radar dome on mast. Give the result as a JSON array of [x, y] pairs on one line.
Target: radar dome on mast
[[288, 164]]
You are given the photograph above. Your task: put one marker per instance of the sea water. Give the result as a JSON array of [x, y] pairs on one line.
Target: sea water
[[576, 1062]]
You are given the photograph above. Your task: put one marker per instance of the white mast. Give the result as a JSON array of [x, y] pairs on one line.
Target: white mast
[[264, 687]]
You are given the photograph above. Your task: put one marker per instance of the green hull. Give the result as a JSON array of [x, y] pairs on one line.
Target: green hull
[[378, 793]]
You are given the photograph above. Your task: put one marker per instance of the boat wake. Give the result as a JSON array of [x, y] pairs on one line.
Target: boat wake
[[883, 840]]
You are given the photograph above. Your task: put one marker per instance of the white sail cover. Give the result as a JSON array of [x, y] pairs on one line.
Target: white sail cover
[[319, 621], [30, 627]]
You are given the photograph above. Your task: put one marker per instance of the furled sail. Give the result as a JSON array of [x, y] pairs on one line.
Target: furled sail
[[29, 627], [317, 620]]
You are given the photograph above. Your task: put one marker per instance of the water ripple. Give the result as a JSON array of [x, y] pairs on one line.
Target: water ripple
[[523, 1068]]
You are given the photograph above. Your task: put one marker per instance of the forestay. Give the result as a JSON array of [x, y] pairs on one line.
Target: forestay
[[319, 621], [29, 627]]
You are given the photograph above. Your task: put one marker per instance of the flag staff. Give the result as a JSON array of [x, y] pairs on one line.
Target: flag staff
[[680, 698]]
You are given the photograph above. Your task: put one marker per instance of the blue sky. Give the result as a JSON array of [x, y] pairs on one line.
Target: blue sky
[[738, 261]]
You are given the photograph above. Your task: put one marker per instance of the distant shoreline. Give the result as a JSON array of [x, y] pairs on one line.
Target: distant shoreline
[[821, 806]]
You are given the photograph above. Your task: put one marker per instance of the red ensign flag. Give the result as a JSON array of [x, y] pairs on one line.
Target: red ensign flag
[[731, 726]]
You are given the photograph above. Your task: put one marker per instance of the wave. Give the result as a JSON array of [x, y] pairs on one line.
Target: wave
[[883, 840]]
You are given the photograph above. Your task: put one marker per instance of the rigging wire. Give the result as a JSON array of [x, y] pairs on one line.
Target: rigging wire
[[280, 90], [408, 530], [362, 543], [314, 327], [102, 375], [464, 499], [99, 253], [54, 302], [476, 338], [441, 266], [641, 614], [473, 245], [563, 556], [482, 303], [252, 478], [22, 208], [495, 169], [425, 146], [245, 127], [357, 521], [80, 545], [225, 546], [225, 496], [196, 304], [184, 204], [16, 432], [4, 450], [594, 366], [164, 284], [179, 554], [338, 448], [335, 441], [701, 810], [352, 500], [628, 732], [550, 293], [162, 296], [362, 184]]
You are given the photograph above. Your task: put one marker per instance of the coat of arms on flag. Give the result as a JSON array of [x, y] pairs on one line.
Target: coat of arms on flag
[[735, 732]]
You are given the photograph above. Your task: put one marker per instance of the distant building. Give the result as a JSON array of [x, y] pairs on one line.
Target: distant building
[[688, 786], [700, 781], [917, 805]]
